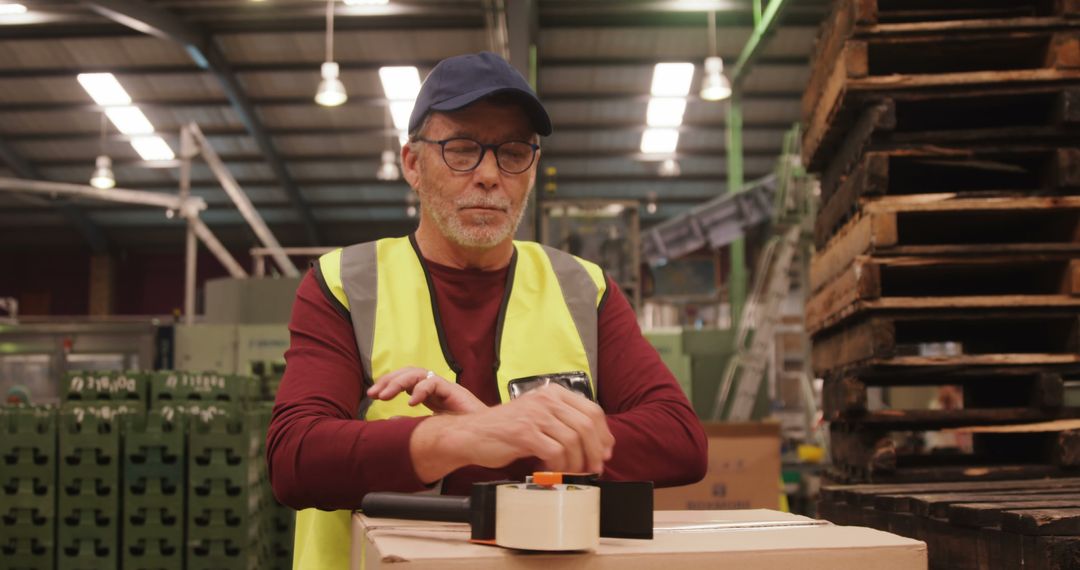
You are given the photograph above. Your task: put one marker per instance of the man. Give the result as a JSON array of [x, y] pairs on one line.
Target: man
[[448, 322]]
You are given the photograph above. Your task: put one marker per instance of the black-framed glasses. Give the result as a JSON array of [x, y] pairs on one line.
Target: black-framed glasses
[[464, 154]]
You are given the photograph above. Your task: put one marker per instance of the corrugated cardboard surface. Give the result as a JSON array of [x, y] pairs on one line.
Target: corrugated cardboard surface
[[744, 471], [687, 540]]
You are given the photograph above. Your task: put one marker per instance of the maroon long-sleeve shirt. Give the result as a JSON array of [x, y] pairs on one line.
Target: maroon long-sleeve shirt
[[319, 455]]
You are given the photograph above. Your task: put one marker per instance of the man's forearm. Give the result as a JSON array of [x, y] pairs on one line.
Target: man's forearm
[[435, 450]]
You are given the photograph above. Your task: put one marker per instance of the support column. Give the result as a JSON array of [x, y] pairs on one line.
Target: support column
[[187, 152], [738, 273]]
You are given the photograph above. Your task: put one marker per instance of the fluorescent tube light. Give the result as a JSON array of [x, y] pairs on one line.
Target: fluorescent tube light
[[152, 148], [104, 88], [129, 120], [400, 83], [672, 79], [659, 141], [665, 111]]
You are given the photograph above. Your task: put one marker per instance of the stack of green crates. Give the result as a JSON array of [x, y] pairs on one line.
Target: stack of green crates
[[88, 507], [28, 481], [89, 499], [153, 500], [230, 506], [142, 471]]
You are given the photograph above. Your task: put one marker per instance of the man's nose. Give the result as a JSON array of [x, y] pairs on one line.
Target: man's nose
[[487, 172]]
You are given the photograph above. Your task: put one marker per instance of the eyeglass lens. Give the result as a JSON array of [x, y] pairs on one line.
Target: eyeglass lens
[[465, 154]]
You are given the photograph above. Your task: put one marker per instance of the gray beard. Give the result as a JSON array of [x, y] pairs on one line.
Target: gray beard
[[479, 236]]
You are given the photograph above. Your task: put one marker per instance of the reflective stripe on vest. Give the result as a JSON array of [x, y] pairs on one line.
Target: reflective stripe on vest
[[547, 323]]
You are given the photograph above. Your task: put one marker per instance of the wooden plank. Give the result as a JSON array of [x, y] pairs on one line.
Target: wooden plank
[[973, 172], [988, 514], [861, 341], [972, 114], [938, 505], [869, 178], [958, 473], [850, 64], [855, 494], [818, 318], [989, 337], [877, 116], [833, 33], [915, 282], [970, 378], [978, 360], [1041, 427], [962, 25], [975, 12], [860, 281], [1056, 522], [950, 473], [953, 202]]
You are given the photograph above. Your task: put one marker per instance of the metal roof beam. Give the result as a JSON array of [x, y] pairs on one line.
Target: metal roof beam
[[92, 136], [201, 48], [27, 107], [304, 67]]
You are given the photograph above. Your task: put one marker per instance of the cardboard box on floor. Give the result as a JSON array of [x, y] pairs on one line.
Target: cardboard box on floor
[[744, 471], [687, 540]]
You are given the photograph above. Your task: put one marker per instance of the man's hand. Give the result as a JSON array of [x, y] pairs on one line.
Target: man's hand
[[564, 429], [424, 387]]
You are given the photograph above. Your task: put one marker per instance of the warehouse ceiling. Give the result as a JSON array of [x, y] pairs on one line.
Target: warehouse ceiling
[[246, 71]]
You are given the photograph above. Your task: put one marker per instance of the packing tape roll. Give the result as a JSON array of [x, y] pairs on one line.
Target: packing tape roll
[[561, 517]]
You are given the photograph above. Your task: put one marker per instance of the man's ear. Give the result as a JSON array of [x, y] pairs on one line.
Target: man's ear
[[410, 164]]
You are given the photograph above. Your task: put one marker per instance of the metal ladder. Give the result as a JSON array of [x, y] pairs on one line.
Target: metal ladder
[[761, 314]]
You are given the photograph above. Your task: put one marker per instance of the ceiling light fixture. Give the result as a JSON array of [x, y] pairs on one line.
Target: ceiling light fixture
[[367, 2], [331, 91], [715, 86], [388, 170], [650, 204], [103, 177], [670, 168]]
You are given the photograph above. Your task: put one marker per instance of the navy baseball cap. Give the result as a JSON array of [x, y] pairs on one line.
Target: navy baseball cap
[[462, 80]]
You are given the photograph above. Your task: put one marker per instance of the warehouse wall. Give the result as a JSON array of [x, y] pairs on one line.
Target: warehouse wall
[[145, 283]]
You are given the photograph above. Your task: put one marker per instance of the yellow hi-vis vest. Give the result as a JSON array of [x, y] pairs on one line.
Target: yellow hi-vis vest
[[547, 324]]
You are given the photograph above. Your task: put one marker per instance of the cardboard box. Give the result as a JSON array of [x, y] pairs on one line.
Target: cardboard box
[[687, 540], [744, 471]]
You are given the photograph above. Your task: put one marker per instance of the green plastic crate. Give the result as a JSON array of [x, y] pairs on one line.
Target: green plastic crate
[[95, 386]]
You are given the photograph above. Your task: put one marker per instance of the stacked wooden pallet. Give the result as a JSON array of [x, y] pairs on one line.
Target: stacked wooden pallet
[[1002, 525], [947, 139]]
